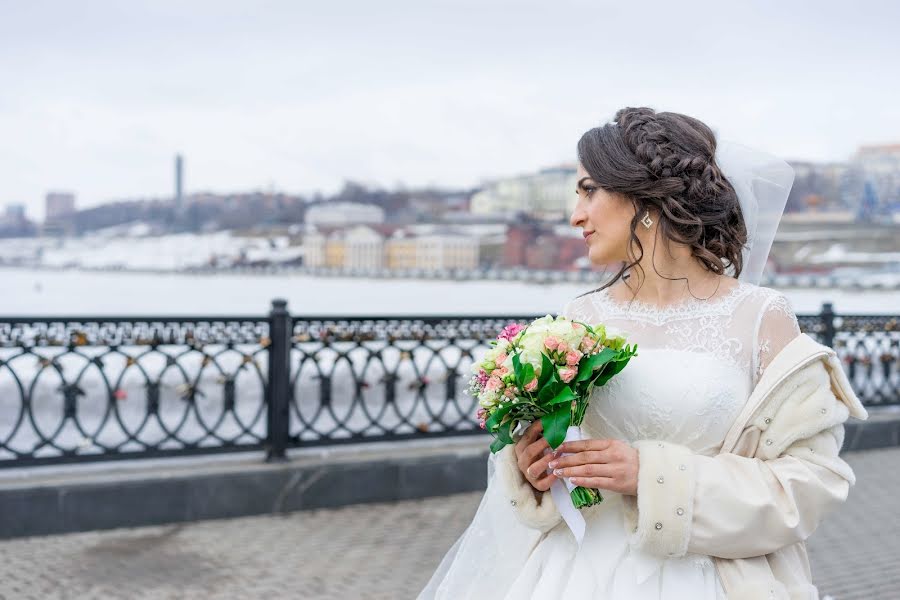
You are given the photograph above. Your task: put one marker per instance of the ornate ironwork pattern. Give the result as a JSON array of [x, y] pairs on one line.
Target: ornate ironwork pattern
[[869, 348], [86, 389], [386, 378], [75, 389]]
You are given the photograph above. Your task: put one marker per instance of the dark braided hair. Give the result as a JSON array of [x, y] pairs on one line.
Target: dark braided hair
[[666, 161]]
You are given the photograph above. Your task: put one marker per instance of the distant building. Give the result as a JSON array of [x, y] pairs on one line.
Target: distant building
[[59, 204], [824, 187], [15, 213], [446, 251], [400, 250], [363, 248], [179, 184], [548, 194], [343, 213], [59, 214], [14, 223], [880, 166], [314, 249]]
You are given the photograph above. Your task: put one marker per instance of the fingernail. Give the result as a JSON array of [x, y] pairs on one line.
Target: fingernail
[[558, 472], [552, 464]]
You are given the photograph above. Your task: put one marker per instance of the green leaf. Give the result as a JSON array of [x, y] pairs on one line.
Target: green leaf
[[587, 367], [527, 374], [549, 391], [497, 445], [555, 425], [547, 370], [565, 395], [517, 370], [503, 433], [497, 416]]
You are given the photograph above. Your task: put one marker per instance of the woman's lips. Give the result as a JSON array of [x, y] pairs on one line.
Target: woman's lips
[[588, 235]]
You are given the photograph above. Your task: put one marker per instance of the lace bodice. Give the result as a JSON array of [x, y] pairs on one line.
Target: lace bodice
[[696, 365]]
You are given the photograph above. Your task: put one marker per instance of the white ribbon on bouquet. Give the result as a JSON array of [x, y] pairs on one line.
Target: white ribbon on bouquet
[[561, 489]]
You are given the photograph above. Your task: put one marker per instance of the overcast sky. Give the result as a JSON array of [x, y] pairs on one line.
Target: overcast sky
[[97, 97]]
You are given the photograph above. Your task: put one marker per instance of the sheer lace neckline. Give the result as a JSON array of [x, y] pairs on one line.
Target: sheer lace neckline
[[686, 308]]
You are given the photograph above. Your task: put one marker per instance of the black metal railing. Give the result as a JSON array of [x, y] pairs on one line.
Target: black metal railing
[[82, 389]]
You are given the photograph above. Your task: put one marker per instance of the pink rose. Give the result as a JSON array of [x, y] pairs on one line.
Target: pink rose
[[551, 343], [493, 384], [562, 347], [501, 371], [531, 385], [499, 360], [572, 357], [510, 331], [567, 374]]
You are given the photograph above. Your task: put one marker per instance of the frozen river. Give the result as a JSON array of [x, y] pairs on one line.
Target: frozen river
[[38, 293]]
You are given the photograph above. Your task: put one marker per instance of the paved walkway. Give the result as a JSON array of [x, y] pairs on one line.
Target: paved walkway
[[382, 551]]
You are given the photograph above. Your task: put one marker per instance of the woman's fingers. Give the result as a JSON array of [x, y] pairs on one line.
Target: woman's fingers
[[589, 470], [536, 450], [543, 484], [583, 445], [540, 465], [582, 458], [532, 433]]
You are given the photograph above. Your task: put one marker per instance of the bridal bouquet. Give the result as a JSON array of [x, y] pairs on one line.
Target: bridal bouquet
[[546, 370]]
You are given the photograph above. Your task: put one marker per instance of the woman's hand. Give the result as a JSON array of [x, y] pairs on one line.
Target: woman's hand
[[532, 456], [600, 464]]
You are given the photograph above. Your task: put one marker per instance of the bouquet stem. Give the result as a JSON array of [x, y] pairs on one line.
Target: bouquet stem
[[581, 496]]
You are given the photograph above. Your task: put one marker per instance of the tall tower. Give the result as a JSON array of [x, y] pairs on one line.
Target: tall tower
[[179, 184]]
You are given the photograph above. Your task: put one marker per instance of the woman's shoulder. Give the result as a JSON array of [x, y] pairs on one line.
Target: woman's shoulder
[[584, 306]]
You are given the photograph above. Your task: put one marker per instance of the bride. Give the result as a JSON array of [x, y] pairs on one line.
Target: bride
[[716, 449]]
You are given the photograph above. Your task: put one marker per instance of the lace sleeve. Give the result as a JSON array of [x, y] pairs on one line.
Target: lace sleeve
[[567, 309], [776, 327]]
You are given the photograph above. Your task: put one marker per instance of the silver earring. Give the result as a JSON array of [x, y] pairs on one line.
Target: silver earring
[[647, 221]]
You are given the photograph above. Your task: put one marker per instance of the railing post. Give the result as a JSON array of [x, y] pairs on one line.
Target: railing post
[[278, 391], [827, 316]]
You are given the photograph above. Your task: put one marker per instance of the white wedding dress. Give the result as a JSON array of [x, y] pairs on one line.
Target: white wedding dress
[[696, 365]]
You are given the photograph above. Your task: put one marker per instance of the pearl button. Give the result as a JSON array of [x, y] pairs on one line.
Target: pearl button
[[660, 479], [769, 442], [660, 445], [513, 502], [823, 411], [682, 467], [768, 420], [679, 511], [658, 526]]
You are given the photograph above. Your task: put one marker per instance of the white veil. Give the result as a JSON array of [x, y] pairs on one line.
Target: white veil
[[762, 182], [488, 556]]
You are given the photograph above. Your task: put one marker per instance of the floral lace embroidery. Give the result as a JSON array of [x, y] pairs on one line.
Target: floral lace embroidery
[[778, 306], [657, 315]]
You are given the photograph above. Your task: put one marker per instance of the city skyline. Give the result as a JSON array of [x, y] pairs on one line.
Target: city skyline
[[101, 97]]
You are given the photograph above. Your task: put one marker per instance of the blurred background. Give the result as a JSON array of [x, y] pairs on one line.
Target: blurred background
[[401, 175]]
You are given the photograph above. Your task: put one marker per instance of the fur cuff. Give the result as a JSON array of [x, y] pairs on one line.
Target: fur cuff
[[537, 514], [772, 590], [660, 517]]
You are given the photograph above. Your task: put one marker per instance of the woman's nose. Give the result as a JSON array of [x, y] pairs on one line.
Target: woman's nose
[[575, 219]]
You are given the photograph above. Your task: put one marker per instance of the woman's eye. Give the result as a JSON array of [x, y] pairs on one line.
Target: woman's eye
[[588, 190]]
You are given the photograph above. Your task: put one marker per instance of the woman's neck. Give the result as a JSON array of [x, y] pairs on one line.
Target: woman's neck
[[670, 278]]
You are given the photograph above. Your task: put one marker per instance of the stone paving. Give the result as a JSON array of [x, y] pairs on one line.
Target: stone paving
[[383, 551]]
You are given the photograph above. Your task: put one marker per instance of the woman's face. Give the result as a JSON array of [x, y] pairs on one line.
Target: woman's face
[[606, 217]]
